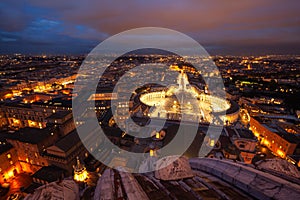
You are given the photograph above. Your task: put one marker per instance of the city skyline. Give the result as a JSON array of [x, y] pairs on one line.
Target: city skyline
[[162, 99], [238, 28], [44, 150]]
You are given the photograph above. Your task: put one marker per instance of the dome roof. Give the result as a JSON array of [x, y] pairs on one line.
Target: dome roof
[[66, 189], [279, 165], [178, 168], [210, 179]]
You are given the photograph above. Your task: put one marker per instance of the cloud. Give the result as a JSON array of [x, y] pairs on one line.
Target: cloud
[[211, 22], [13, 16]]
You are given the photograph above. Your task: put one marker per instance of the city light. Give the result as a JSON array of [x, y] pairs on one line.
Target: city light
[[280, 153], [80, 172], [151, 152], [157, 135], [81, 176], [212, 143], [37, 122]]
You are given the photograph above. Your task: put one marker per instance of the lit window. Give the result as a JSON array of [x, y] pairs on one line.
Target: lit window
[[8, 156], [11, 162]]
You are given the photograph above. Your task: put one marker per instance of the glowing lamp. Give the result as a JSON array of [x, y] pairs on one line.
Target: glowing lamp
[[151, 152], [212, 143], [157, 135]]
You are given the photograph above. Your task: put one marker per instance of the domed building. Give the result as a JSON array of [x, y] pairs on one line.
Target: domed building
[[183, 178], [66, 189], [278, 166], [197, 178]]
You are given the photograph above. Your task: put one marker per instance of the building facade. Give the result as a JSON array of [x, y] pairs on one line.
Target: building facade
[[9, 164], [30, 144], [279, 142]]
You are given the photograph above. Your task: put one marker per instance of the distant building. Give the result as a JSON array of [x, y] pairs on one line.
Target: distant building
[[38, 97], [245, 141], [103, 96], [30, 144], [122, 113], [20, 115], [63, 153], [274, 137], [48, 174], [62, 120], [3, 120], [9, 164], [25, 115], [225, 148]]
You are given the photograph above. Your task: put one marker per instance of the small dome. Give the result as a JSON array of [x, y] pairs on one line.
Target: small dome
[[176, 168], [279, 165]]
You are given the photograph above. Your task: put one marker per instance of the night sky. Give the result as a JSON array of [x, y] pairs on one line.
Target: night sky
[[239, 27]]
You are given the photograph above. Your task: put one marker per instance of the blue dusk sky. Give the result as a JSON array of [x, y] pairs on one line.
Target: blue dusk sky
[[239, 27]]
